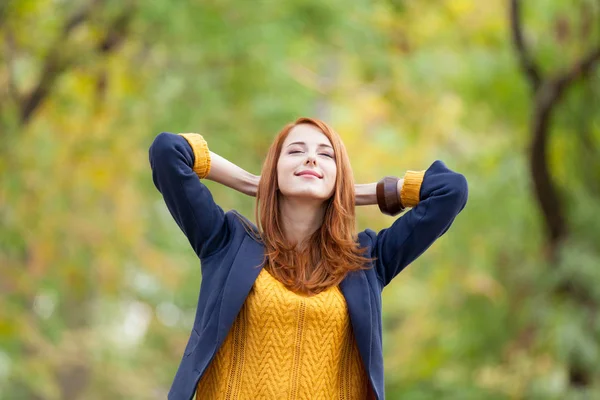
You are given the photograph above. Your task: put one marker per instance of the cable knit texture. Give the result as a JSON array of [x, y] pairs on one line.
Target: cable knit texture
[[411, 188], [287, 346], [201, 153]]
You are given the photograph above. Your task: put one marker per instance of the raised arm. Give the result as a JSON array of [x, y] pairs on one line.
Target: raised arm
[[230, 175], [179, 162], [437, 195]]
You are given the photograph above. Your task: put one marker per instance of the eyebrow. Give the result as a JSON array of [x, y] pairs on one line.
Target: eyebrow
[[304, 143]]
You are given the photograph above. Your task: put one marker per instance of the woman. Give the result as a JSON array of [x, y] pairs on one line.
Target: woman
[[292, 308]]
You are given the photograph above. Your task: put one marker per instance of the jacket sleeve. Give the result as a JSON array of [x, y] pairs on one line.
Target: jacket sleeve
[[437, 195], [178, 163]]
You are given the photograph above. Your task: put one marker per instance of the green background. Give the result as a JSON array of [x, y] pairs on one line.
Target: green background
[[98, 286]]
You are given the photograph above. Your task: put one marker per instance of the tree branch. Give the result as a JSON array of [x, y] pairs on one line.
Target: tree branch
[[525, 60], [55, 63], [545, 190], [579, 69], [117, 32], [80, 17], [111, 42], [547, 97]]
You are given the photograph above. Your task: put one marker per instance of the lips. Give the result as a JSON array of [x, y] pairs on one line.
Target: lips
[[309, 172]]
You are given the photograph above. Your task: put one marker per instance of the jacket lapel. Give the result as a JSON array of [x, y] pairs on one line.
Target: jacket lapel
[[355, 288], [241, 278], [243, 274]]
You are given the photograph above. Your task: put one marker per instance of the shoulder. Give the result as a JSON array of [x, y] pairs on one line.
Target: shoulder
[[367, 238]]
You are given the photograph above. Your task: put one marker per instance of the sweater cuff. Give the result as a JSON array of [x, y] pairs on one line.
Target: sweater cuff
[[411, 188], [201, 153]]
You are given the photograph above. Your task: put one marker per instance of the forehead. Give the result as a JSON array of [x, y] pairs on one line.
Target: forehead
[[307, 133]]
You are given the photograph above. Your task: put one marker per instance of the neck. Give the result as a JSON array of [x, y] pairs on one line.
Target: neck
[[300, 218]]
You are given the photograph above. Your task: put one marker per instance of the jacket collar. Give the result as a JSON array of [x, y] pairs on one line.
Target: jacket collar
[[245, 269]]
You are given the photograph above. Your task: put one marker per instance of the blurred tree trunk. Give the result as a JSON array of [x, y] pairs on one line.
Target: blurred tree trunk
[[547, 91]]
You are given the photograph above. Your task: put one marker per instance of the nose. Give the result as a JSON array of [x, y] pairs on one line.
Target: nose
[[311, 160]]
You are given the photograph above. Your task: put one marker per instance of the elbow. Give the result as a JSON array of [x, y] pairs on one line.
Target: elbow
[[163, 144], [460, 190]]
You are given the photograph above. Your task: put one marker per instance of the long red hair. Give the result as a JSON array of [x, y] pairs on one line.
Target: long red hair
[[332, 250]]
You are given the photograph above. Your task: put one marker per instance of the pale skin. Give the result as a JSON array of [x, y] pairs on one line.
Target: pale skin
[[303, 195]]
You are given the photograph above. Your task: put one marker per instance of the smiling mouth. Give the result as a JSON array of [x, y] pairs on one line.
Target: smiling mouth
[[309, 174]]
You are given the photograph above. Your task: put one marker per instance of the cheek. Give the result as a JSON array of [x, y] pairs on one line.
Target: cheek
[[283, 162], [332, 174], [332, 171], [282, 167]]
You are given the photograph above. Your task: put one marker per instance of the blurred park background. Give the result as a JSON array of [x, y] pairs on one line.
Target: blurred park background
[[98, 286]]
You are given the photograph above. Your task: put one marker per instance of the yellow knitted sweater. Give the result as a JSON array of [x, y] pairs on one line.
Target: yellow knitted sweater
[[283, 345]]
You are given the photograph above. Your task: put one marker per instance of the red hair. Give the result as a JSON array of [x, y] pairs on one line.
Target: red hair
[[332, 250]]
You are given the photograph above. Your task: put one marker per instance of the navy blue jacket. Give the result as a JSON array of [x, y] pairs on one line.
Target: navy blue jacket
[[229, 256]]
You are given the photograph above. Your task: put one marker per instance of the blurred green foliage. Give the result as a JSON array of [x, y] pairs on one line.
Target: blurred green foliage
[[98, 286]]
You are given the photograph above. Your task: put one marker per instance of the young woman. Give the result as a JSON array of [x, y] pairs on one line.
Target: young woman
[[291, 308]]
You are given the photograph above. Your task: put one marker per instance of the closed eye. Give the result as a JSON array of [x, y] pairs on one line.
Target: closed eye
[[322, 154]]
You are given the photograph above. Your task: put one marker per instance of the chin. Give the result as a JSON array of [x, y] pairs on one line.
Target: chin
[[305, 195]]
